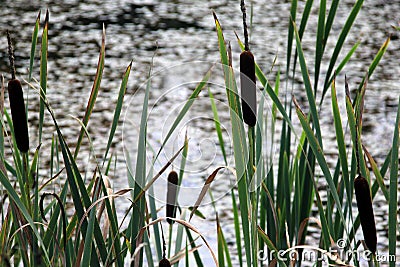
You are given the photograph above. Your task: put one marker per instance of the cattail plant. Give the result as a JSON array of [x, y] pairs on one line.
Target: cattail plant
[[17, 104], [247, 77], [164, 263], [364, 204], [171, 195]]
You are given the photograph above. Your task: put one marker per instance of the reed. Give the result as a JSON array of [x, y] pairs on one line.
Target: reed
[[274, 216]]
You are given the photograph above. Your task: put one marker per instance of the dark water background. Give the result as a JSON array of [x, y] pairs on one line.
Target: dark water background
[[184, 31]]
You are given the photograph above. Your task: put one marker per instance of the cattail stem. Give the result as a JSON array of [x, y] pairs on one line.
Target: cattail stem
[[246, 35], [11, 56], [164, 262]]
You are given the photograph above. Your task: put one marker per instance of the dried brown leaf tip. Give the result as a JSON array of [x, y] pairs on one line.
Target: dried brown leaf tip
[[164, 263], [366, 213], [171, 195], [17, 105]]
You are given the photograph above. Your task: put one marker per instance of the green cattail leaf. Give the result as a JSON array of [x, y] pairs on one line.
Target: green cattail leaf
[[43, 73], [308, 88], [377, 174], [393, 204], [186, 108], [94, 92], [33, 45], [339, 44], [341, 143], [218, 126], [118, 108]]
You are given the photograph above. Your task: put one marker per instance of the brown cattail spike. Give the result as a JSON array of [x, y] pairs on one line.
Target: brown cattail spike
[[364, 204], [18, 114], [17, 104], [248, 87], [164, 263], [171, 195]]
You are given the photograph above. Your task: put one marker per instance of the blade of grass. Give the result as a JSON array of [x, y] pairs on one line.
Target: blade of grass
[[393, 204], [117, 112], [33, 45], [94, 92], [217, 125], [320, 43], [293, 10], [340, 67], [307, 85], [341, 143], [43, 73], [375, 62], [377, 173], [339, 44], [186, 108]]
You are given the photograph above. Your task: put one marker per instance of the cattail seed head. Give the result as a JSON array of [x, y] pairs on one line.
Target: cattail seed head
[[18, 114], [248, 87], [171, 195], [164, 263], [364, 204]]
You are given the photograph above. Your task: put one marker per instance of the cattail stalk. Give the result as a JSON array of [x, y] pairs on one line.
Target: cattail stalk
[[164, 262], [249, 110], [247, 78], [171, 195], [366, 213], [17, 105]]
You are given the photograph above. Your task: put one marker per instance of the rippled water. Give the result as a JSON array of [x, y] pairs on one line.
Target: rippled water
[[183, 32]]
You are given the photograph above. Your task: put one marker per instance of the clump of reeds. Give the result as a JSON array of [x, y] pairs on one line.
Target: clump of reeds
[[171, 195], [17, 104], [247, 78]]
